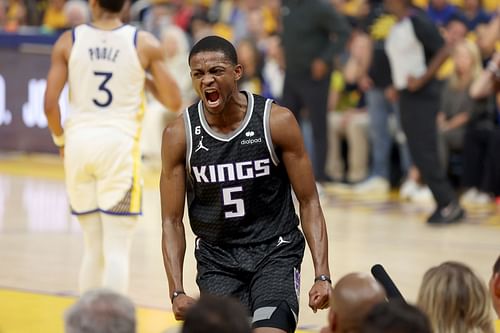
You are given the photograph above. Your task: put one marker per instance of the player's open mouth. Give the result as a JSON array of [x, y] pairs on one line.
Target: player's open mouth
[[212, 97]]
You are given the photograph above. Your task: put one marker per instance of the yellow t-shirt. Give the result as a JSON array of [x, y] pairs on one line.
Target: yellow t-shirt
[[54, 19], [497, 326]]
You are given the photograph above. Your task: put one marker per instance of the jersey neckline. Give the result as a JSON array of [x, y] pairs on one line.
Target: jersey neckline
[[237, 131], [114, 29]]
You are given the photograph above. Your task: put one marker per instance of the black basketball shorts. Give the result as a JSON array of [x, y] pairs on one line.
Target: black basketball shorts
[[265, 277]]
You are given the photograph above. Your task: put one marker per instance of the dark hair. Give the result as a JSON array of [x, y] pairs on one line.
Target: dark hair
[[496, 266], [396, 317], [216, 314], [215, 44], [114, 6]]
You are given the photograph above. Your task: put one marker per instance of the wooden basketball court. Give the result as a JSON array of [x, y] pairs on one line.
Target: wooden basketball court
[[41, 247]]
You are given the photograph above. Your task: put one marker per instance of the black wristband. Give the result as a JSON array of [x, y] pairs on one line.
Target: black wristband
[[323, 277], [177, 293]]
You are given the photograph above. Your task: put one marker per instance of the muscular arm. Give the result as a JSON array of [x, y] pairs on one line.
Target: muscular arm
[[286, 135], [172, 193], [56, 79], [161, 84]]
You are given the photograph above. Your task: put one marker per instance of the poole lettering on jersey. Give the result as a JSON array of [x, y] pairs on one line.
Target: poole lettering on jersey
[[103, 53], [231, 171]]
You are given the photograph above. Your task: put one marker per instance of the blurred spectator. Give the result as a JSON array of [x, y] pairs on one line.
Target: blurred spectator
[[416, 50], [249, 57], [200, 26], [455, 300], [474, 14], [101, 311], [440, 12], [481, 174], [396, 317], [55, 17], [213, 314], [175, 45], [353, 296], [487, 37], [456, 104], [456, 30], [495, 291], [348, 117], [157, 17], [77, 12], [381, 100], [313, 33], [273, 71], [15, 15]]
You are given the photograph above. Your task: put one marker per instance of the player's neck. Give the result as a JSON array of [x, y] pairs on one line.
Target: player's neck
[[107, 21]]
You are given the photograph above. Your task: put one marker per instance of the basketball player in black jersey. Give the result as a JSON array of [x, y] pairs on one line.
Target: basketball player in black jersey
[[236, 155]]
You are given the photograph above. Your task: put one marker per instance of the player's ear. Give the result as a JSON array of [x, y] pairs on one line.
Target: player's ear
[[238, 72]]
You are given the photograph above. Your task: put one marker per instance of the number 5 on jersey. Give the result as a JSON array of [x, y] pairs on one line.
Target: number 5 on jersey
[[239, 204]]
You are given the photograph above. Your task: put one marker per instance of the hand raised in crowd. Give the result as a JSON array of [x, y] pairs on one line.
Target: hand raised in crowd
[[319, 295], [181, 305]]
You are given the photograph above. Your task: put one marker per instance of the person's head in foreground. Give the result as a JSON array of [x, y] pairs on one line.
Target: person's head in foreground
[[101, 311], [455, 300], [216, 314]]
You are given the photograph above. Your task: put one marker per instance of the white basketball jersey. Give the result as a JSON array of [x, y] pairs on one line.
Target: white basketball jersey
[[106, 80]]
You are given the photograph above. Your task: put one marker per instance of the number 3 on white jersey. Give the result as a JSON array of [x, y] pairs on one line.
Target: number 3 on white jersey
[[104, 102], [238, 203]]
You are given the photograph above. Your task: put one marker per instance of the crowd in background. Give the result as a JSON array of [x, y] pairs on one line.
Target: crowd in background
[[362, 122]]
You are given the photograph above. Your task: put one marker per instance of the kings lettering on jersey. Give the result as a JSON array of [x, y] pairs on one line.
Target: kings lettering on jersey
[[103, 53], [232, 171]]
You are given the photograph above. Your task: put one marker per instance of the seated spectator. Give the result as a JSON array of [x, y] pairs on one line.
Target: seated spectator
[[216, 314], [101, 311], [481, 172], [495, 291], [352, 298], [249, 57], [348, 117], [54, 17], [456, 104], [455, 300], [15, 15], [440, 12], [396, 317], [474, 14]]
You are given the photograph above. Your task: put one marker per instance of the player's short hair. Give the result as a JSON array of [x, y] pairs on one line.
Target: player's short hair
[[496, 266], [216, 314], [114, 6], [215, 44]]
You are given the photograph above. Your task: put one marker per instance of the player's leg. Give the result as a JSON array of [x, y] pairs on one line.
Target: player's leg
[[117, 238], [92, 264], [275, 287]]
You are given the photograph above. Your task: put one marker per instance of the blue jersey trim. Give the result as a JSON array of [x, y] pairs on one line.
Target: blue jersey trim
[[73, 35], [98, 210], [84, 213], [135, 37], [120, 214]]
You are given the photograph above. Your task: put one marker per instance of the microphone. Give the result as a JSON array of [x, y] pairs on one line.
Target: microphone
[[385, 280]]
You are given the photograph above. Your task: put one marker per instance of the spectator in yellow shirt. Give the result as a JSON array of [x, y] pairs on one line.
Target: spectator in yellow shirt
[[54, 17]]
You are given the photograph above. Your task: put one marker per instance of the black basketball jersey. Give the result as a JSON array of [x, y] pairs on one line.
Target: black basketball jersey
[[238, 192]]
